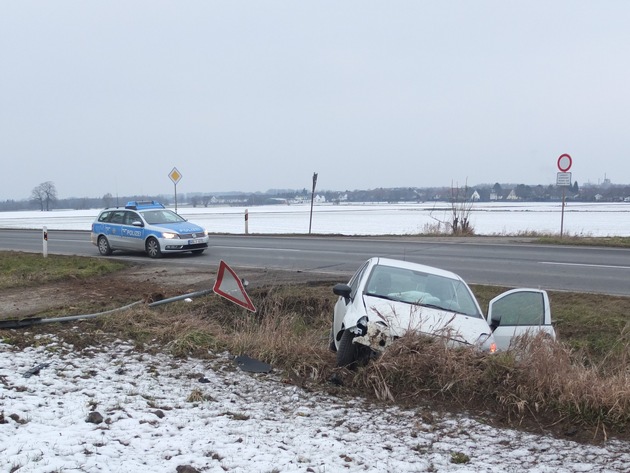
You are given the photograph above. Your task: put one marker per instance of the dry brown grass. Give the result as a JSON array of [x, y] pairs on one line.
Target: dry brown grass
[[539, 380], [542, 381]]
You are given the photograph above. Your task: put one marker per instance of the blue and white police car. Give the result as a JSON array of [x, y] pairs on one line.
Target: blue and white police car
[[149, 227]]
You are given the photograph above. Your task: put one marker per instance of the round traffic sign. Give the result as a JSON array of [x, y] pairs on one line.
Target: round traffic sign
[[564, 162]]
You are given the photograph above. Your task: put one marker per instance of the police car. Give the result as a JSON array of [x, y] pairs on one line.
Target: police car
[[149, 227]]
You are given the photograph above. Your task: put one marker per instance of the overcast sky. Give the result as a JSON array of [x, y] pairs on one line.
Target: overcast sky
[[102, 97]]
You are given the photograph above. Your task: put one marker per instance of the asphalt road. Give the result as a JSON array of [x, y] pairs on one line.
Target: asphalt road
[[477, 260]]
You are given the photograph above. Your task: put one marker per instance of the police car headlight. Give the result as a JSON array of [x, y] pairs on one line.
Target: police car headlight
[[169, 236]]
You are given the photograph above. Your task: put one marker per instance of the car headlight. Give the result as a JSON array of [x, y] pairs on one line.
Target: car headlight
[[486, 343], [169, 235]]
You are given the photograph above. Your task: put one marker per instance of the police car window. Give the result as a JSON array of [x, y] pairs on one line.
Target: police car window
[[131, 217], [105, 216], [117, 217], [155, 217]]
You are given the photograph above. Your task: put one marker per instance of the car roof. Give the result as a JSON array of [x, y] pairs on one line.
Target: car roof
[[415, 266]]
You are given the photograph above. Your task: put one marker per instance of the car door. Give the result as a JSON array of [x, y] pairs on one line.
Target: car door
[[132, 236], [518, 312], [113, 229]]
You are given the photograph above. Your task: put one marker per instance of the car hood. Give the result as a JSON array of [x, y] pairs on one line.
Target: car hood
[[181, 227], [402, 317]]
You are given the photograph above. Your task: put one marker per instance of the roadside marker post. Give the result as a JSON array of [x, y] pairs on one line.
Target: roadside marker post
[[45, 241], [246, 222]]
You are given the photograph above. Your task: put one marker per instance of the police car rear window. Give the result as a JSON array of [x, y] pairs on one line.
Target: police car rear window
[[104, 217]]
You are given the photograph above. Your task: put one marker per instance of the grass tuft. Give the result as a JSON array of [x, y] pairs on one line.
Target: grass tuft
[[30, 269]]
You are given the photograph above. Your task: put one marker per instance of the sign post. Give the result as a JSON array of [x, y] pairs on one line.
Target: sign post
[[175, 176], [310, 222], [563, 179]]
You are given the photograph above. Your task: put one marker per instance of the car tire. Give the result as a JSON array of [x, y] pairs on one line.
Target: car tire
[[153, 248], [197, 252], [350, 355], [103, 246]]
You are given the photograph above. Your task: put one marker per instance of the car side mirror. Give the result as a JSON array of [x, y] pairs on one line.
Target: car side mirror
[[342, 290], [137, 223]]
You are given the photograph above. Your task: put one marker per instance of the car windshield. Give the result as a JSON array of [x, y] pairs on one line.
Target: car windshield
[[155, 217], [426, 289]]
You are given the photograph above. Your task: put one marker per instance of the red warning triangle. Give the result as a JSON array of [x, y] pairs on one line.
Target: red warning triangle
[[229, 285]]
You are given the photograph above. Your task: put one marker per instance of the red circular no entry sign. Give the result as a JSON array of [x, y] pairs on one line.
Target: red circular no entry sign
[[564, 162]]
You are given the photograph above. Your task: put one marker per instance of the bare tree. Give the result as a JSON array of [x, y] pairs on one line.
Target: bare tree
[[108, 200], [461, 207], [44, 194]]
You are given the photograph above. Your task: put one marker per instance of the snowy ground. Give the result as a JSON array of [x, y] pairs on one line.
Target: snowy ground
[[239, 422], [587, 219]]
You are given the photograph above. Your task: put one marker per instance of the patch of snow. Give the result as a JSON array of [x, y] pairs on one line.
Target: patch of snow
[[159, 413]]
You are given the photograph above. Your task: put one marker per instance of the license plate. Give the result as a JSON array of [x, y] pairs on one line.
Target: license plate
[[196, 241]]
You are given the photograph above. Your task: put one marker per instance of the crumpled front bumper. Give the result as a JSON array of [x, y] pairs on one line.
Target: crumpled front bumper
[[377, 337]]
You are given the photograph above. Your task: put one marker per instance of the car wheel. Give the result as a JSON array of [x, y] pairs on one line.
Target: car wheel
[[103, 246], [197, 252], [153, 248], [350, 355]]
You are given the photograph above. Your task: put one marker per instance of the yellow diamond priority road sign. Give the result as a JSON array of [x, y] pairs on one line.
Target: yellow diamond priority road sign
[[175, 175]]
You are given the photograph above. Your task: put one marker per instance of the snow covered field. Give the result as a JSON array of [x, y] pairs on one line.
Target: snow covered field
[[122, 411], [587, 219]]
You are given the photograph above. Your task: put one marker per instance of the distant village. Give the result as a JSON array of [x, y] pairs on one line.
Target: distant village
[[44, 196], [605, 192]]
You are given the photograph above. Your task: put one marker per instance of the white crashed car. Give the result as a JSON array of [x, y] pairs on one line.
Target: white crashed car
[[385, 298]]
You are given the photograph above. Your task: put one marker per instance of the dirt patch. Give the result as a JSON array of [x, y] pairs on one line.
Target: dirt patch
[[139, 282]]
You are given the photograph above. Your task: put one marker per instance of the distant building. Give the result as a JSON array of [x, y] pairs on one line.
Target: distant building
[[512, 195]]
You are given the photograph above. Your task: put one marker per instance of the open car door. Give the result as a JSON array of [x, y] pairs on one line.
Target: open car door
[[518, 312]]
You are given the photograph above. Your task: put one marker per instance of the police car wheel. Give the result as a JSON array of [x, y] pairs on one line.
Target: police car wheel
[[153, 248], [103, 246]]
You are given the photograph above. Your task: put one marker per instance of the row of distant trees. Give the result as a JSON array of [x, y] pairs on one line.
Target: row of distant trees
[[44, 196]]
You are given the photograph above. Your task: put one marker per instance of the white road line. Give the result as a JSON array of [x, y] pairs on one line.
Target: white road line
[[584, 264], [255, 248]]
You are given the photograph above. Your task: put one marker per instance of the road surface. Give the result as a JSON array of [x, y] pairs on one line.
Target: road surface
[[478, 260]]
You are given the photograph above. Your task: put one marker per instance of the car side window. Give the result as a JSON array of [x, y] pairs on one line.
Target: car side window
[[104, 217], [522, 308], [131, 217], [117, 217]]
